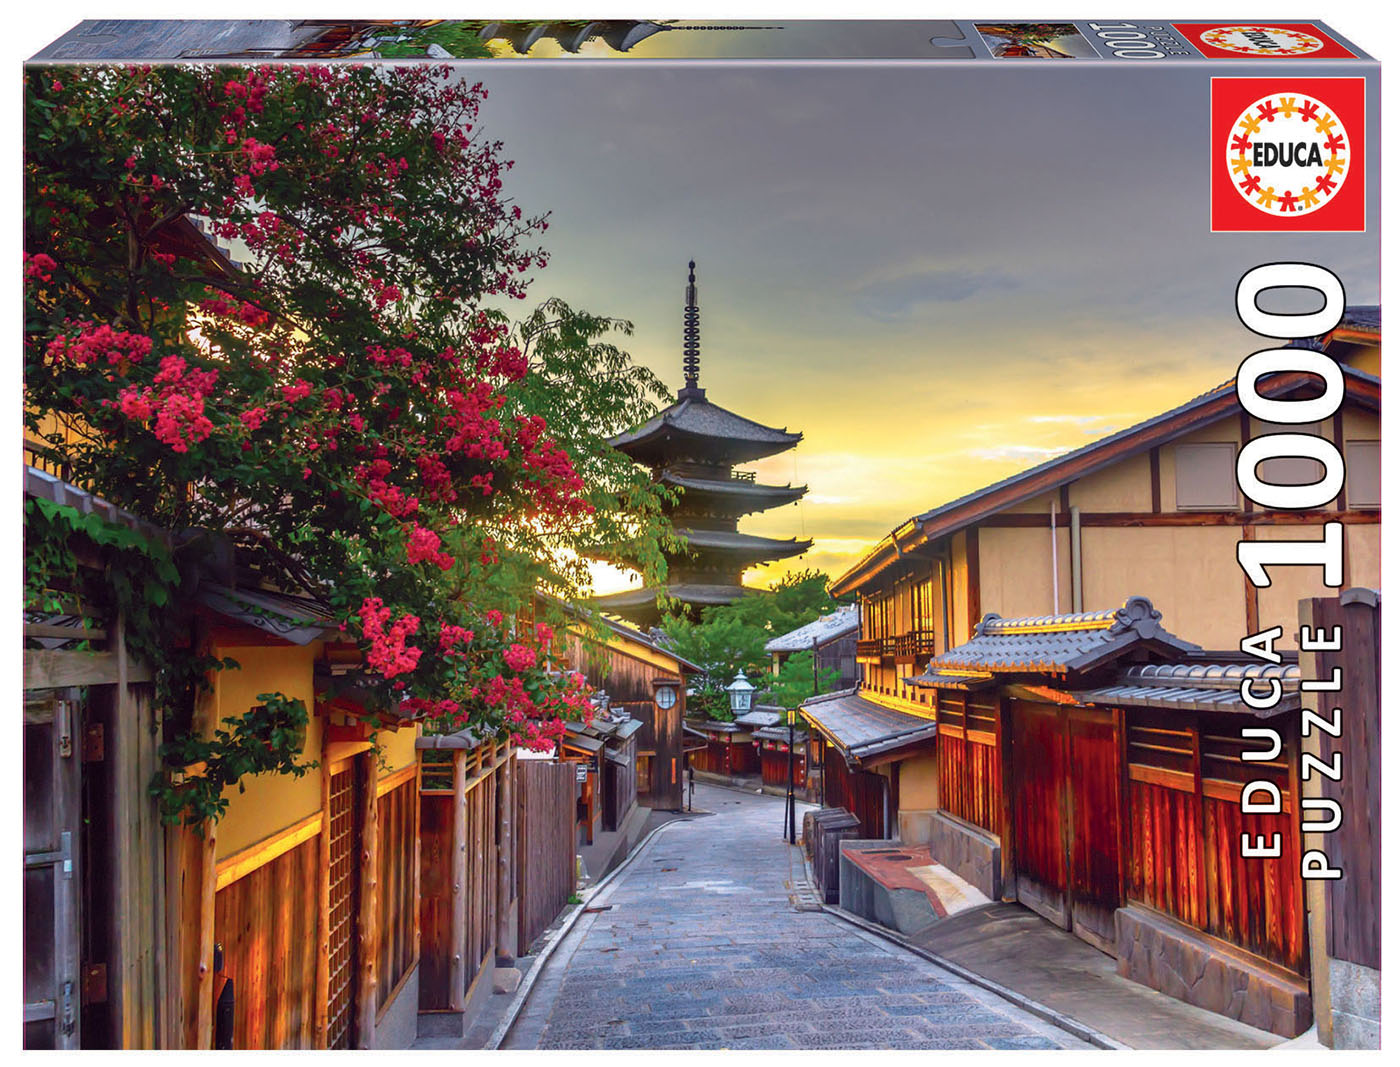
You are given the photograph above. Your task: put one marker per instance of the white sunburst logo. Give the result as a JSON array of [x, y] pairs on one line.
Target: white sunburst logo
[[1288, 154], [1262, 41]]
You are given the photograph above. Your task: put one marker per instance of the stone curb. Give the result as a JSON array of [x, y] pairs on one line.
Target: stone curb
[[1042, 1011], [503, 1028]]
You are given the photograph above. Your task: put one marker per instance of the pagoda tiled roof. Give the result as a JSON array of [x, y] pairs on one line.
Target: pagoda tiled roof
[[732, 542], [697, 419], [750, 495]]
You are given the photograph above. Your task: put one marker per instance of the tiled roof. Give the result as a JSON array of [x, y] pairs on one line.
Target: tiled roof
[[1058, 643], [742, 543], [703, 419], [842, 621], [861, 727], [758, 717], [780, 733], [737, 488], [1200, 686], [297, 619]]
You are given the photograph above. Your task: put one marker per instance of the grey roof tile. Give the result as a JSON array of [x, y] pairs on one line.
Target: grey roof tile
[[842, 621], [1057, 643], [1199, 686]]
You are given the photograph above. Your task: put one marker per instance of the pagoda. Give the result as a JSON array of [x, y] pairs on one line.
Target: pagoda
[[694, 446]]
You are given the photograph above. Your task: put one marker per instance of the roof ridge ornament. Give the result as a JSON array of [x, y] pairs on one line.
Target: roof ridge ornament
[[691, 341]]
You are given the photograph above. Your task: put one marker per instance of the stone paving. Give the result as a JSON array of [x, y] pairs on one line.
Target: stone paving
[[700, 943]]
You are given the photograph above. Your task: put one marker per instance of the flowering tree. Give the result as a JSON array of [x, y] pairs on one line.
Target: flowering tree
[[266, 303]]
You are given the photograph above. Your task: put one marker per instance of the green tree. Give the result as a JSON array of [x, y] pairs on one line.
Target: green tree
[[797, 680], [332, 386], [731, 637]]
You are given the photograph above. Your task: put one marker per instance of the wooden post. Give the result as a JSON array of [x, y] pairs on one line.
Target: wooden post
[[323, 912], [416, 901], [456, 972], [367, 995], [204, 1017], [505, 812]]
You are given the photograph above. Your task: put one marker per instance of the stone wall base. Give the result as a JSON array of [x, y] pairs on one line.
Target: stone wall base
[[1356, 1005], [1203, 970], [398, 1026], [968, 851]]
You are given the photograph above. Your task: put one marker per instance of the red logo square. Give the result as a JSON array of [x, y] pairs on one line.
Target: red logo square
[[1250, 40], [1288, 155]]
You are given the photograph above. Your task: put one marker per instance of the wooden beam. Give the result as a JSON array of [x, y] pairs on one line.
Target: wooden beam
[[248, 860], [456, 970], [323, 914], [1190, 518], [1154, 461], [390, 782], [974, 582], [505, 832], [204, 1016], [368, 989], [1338, 436], [1244, 440], [56, 669], [1251, 593]]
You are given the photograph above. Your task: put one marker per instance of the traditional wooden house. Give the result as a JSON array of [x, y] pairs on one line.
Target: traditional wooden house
[[1151, 510], [1091, 766], [1089, 763], [305, 885], [646, 681], [832, 640], [694, 446]]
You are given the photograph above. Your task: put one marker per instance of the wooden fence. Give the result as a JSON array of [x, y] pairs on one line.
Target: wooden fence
[[545, 844], [462, 841]]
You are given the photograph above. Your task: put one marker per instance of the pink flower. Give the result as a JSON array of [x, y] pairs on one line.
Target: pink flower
[[520, 657]]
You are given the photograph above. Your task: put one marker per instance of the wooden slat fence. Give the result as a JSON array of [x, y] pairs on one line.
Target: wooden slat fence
[[544, 844], [266, 922], [397, 896]]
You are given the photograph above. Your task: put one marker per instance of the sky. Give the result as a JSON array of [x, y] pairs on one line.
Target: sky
[[940, 274]]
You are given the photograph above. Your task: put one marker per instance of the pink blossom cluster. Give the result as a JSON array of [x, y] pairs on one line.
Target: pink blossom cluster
[[389, 652], [177, 402], [424, 546], [100, 343]]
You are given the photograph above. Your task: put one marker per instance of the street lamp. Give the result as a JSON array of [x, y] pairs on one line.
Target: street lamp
[[740, 694], [791, 790]]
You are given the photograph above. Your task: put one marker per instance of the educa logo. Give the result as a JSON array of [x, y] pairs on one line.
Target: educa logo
[[1262, 40], [1289, 156]]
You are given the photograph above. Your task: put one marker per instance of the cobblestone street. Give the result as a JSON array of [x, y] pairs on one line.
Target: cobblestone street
[[699, 944]]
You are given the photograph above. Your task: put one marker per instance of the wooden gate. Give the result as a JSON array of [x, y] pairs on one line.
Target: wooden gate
[[544, 844], [1065, 768], [344, 903], [52, 806]]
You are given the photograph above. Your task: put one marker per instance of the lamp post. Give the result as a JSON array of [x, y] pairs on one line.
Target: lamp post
[[791, 794]]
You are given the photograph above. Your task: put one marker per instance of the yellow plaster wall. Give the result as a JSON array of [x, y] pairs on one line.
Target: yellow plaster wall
[[1359, 425], [1015, 568], [918, 783], [1278, 601], [1189, 573], [1125, 486], [1038, 505], [270, 802], [1363, 548], [959, 626], [1226, 429]]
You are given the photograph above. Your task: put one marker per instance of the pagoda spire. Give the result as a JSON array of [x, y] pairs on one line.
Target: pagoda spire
[[691, 344]]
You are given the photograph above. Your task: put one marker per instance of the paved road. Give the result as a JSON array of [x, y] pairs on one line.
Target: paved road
[[702, 945]]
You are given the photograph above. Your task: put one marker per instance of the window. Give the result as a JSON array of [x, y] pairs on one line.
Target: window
[[1363, 485], [1290, 470], [1205, 476]]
